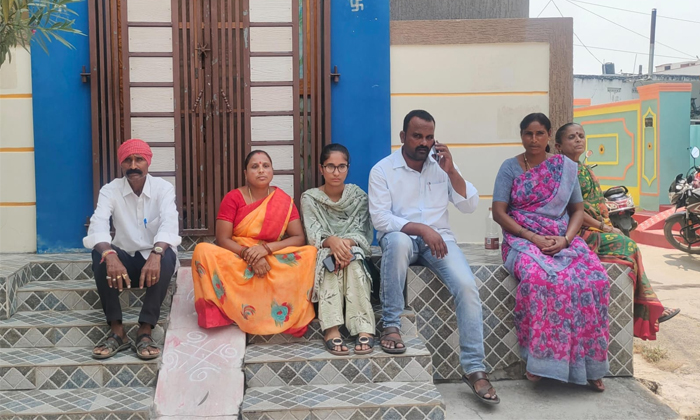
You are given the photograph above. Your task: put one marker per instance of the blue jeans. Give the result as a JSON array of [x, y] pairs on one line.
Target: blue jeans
[[398, 252]]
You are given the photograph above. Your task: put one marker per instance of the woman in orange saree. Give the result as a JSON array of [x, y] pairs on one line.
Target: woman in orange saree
[[259, 275]]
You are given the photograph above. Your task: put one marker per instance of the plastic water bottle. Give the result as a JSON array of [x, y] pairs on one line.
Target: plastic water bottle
[[491, 239]]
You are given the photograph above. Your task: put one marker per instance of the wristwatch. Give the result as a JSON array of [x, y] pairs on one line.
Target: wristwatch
[[158, 250]]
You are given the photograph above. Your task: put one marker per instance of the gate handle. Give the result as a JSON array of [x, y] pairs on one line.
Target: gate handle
[[84, 75], [335, 75]]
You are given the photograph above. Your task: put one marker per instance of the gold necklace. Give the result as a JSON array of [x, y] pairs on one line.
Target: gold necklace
[[250, 195], [527, 165]]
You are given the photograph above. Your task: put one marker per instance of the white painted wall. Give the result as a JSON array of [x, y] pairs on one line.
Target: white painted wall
[[17, 180], [477, 94], [604, 90]]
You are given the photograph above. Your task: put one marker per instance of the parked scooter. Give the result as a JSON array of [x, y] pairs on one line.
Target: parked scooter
[[620, 206], [682, 229]]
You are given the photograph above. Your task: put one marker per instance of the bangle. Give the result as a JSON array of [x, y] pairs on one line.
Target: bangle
[[602, 225], [269, 251], [242, 253], [568, 243], [533, 236], [521, 231], [107, 252]]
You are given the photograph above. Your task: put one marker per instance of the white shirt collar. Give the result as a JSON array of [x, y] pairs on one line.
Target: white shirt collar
[[398, 161], [126, 188]]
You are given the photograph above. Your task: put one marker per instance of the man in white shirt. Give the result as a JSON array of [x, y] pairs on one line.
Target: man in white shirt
[[409, 191], [143, 251]]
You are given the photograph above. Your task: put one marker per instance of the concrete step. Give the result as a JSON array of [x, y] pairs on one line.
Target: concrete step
[[388, 400], [314, 332], [642, 216], [67, 404], [310, 364], [69, 295], [83, 328], [72, 368]]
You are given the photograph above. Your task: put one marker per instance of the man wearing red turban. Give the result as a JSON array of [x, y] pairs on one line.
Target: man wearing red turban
[[143, 252]]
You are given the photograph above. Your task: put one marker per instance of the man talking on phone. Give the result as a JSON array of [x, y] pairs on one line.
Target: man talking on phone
[[409, 191]]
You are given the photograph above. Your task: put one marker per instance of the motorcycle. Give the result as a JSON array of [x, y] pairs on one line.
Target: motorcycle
[[620, 206], [682, 229]]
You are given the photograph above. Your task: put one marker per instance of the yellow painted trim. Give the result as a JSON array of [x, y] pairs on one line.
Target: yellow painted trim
[[16, 149], [9, 204], [486, 197], [16, 96], [532, 93], [617, 149], [584, 112], [468, 146], [644, 143]]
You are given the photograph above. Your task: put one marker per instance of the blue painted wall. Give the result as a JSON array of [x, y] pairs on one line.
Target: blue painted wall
[[360, 102], [62, 140]]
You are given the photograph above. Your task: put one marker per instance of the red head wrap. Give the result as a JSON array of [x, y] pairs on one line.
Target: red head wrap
[[134, 147]]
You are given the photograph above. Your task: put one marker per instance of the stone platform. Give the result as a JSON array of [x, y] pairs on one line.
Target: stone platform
[[436, 322]]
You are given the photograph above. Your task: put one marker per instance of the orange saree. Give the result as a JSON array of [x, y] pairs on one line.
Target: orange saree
[[227, 291]]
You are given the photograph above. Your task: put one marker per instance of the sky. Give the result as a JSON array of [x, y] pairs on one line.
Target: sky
[[681, 38]]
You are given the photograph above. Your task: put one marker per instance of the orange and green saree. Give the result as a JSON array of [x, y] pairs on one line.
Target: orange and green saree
[[619, 249], [227, 291]]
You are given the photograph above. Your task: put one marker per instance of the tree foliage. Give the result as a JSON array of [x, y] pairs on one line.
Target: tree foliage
[[41, 21]]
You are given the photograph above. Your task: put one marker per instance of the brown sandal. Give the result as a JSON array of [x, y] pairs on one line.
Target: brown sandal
[[386, 332], [597, 384], [475, 377]]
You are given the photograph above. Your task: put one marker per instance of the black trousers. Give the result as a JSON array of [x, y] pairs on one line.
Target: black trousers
[[155, 295]]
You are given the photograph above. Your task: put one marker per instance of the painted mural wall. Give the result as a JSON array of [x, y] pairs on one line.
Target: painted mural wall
[[641, 144], [17, 190]]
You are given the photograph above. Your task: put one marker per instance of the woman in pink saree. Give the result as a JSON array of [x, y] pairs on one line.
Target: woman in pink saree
[[561, 310]]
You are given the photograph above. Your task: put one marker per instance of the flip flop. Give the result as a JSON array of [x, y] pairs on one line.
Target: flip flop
[[597, 387], [477, 376], [333, 343], [673, 313], [364, 340], [141, 345], [532, 378], [114, 343], [385, 337]]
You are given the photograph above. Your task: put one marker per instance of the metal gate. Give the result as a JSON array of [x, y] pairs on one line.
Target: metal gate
[[212, 97], [109, 98], [210, 72]]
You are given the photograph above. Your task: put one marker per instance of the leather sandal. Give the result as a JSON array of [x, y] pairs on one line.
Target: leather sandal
[[475, 377], [332, 343], [114, 343], [386, 332], [597, 385], [141, 345], [364, 341]]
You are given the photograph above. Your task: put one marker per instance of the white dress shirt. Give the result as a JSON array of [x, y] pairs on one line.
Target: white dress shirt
[[139, 221], [399, 195]]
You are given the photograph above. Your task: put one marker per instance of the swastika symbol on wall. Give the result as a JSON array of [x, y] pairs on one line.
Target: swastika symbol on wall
[[357, 5]]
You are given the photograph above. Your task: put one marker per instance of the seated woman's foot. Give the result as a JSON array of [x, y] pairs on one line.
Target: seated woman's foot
[[334, 342], [532, 378], [364, 343], [668, 313], [597, 384]]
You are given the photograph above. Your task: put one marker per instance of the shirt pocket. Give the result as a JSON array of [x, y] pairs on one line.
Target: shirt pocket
[[436, 194], [153, 225]]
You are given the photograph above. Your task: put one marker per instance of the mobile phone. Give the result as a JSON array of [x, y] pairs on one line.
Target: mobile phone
[[329, 262], [435, 153]]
